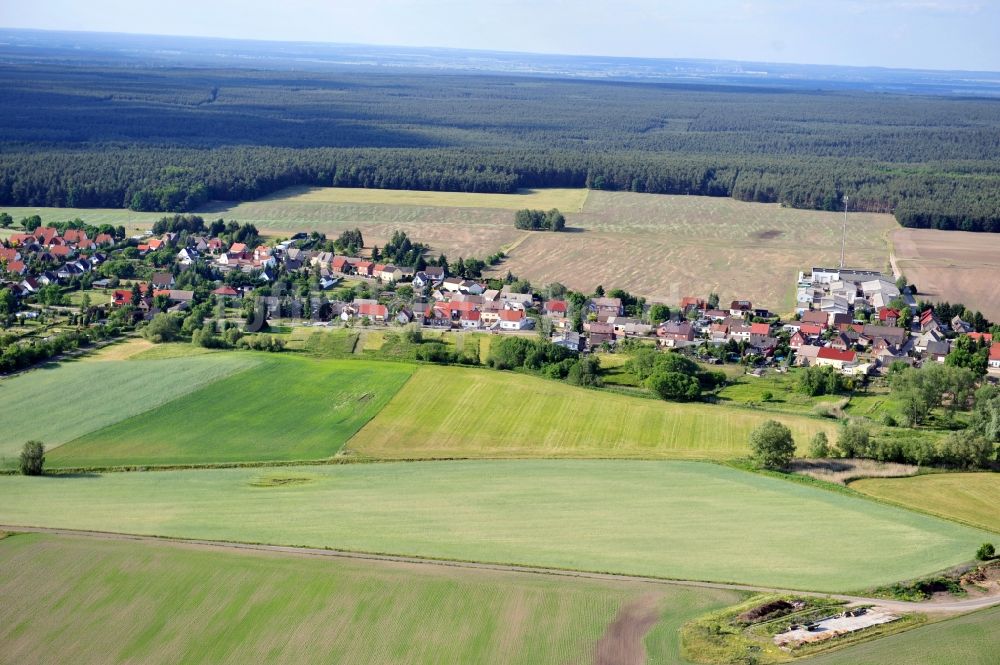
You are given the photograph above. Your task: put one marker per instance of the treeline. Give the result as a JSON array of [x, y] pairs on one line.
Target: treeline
[[75, 140]]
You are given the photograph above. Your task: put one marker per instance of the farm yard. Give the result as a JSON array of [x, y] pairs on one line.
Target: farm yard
[[445, 412], [972, 498], [953, 266], [633, 517], [299, 609], [970, 640], [321, 405]]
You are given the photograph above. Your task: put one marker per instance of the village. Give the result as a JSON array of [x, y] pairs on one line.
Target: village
[[858, 322]]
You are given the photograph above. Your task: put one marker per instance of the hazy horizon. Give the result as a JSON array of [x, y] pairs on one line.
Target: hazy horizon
[[895, 34]]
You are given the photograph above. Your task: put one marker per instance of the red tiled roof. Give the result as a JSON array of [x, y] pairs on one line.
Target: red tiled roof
[[811, 329], [988, 337], [471, 316], [556, 306], [225, 291], [760, 329], [995, 351], [511, 315], [887, 313], [15, 266], [835, 354], [373, 309]]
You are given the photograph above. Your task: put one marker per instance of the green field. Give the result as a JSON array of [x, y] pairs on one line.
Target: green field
[[972, 498], [96, 216], [972, 639], [84, 600], [459, 412], [640, 517], [58, 403], [286, 408]]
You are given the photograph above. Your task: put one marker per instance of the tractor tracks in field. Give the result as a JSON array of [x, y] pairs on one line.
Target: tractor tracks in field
[[933, 606]]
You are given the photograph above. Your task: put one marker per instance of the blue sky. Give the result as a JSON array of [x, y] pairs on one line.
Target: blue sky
[[932, 34]]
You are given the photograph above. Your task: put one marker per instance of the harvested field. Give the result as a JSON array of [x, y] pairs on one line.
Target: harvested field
[[453, 230], [618, 516], [972, 498], [667, 247], [446, 412], [954, 266], [88, 600]]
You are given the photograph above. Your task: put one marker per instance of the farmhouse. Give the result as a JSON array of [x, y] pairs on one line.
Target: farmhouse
[[675, 333], [740, 307]]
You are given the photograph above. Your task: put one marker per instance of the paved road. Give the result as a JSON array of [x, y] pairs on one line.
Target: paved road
[[942, 607]]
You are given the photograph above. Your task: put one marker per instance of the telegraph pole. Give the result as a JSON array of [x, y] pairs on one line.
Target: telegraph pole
[[843, 243]]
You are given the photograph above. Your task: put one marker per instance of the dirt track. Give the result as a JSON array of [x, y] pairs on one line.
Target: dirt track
[[622, 642], [932, 606]]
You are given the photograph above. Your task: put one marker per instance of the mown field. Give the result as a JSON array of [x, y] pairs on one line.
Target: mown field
[[458, 412], [973, 498], [972, 639], [667, 247], [96, 216], [954, 266], [567, 200], [286, 408], [638, 517], [85, 600], [58, 403]]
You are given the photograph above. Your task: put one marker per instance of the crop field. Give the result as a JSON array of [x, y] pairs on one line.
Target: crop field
[[955, 266], [447, 412], [667, 247], [972, 498], [283, 409], [637, 517], [58, 403], [972, 639], [88, 600]]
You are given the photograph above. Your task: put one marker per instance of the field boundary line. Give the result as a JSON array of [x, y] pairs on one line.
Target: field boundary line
[[903, 606]]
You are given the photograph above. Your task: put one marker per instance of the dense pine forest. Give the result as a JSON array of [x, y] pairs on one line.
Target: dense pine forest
[[157, 138]]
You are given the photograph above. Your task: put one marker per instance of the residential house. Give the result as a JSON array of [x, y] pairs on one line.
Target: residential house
[[981, 337], [887, 316], [599, 333], [928, 321], [690, 304], [675, 333], [994, 359], [555, 308], [740, 308], [927, 338], [513, 319], [471, 320], [815, 318], [605, 307], [839, 360], [960, 326], [806, 355], [188, 256], [373, 311], [163, 280], [936, 351], [364, 268], [570, 340], [342, 265]]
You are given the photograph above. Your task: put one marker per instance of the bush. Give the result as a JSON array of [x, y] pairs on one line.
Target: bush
[[854, 440], [986, 552], [767, 396], [819, 446], [674, 386], [772, 445], [32, 458], [163, 328]]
